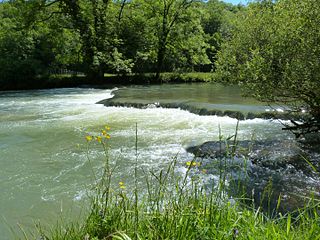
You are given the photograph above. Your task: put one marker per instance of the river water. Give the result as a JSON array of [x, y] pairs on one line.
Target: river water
[[44, 171]]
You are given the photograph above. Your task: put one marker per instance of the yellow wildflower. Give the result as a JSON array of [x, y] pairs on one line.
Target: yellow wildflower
[[99, 139], [121, 185], [192, 164], [107, 128], [107, 136], [104, 132], [89, 138]]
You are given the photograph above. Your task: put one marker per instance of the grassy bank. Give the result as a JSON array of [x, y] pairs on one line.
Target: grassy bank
[[179, 206], [68, 80], [146, 78]]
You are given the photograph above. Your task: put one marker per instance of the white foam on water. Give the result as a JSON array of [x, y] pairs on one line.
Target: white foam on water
[[45, 154]]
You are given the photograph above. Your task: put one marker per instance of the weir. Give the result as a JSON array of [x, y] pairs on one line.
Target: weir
[[198, 98]]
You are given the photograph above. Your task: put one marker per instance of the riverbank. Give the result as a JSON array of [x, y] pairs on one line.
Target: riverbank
[[186, 209], [182, 204], [68, 80], [191, 215]]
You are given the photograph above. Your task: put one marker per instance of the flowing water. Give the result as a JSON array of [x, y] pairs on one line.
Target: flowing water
[[44, 170]]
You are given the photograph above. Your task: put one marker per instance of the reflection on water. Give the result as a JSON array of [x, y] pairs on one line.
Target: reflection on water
[[44, 172]]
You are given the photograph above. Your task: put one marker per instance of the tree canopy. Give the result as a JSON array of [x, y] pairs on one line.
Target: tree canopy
[[273, 52], [95, 37]]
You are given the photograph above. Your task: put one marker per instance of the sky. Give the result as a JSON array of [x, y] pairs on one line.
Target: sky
[[235, 1]]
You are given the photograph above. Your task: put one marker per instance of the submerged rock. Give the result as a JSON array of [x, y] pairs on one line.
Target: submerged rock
[[264, 170]]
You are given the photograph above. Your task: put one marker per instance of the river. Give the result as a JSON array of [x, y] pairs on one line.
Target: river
[[44, 171]]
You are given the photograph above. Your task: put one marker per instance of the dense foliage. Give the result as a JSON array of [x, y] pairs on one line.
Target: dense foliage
[[274, 53], [95, 37]]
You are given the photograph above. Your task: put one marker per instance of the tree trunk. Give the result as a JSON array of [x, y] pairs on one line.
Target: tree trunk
[[95, 74], [160, 60]]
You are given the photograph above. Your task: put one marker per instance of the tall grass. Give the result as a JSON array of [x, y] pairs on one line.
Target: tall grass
[[175, 206]]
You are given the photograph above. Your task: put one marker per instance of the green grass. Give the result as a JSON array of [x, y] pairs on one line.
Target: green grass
[[144, 78], [70, 80], [175, 206], [187, 77]]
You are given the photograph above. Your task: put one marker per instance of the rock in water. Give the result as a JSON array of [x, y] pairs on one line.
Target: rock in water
[[264, 170]]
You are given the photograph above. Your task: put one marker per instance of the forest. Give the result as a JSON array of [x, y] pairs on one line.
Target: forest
[[271, 48], [39, 37]]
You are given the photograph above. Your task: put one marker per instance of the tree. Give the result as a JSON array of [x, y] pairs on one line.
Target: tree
[[187, 48], [97, 22], [167, 14], [24, 52], [135, 35], [163, 35], [34, 40], [274, 54], [89, 18], [215, 21]]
